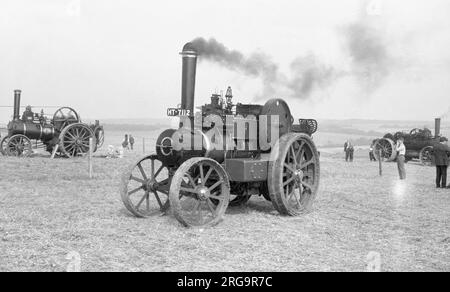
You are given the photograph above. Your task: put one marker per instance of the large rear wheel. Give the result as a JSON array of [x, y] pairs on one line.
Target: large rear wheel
[[294, 174], [74, 140], [386, 148]]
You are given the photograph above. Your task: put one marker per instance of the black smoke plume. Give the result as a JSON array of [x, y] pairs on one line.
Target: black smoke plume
[[307, 72], [256, 65], [367, 45]]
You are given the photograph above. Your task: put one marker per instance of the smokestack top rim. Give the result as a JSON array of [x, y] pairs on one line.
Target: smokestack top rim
[[189, 49]]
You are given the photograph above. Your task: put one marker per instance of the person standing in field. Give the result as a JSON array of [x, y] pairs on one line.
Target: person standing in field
[[345, 150], [351, 149], [125, 143], [401, 152], [440, 153], [131, 142], [371, 154], [348, 149]]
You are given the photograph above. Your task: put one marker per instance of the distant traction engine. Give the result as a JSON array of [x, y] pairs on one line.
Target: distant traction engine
[[64, 130], [419, 144]]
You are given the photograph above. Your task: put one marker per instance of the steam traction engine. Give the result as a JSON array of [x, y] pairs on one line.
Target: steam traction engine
[[418, 142], [217, 158], [64, 130]]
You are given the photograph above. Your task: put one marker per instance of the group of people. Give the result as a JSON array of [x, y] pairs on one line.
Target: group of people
[[118, 152], [128, 142], [440, 155]]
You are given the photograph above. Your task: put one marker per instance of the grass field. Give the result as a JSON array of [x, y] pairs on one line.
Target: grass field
[[50, 209]]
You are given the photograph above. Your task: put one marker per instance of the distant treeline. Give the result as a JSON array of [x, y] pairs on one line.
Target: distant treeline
[[362, 141], [349, 131], [131, 128]]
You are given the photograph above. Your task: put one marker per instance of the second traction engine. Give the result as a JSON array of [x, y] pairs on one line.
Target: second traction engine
[[64, 133], [222, 155]]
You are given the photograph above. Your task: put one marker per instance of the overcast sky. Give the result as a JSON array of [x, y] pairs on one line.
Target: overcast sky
[[119, 59]]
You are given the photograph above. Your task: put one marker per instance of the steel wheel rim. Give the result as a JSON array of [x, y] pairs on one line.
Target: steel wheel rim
[[65, 116], [426, 156], [385, 148], [298, 176], [75, 140], [145, 187], [3, 145], [19, 146], [200, 193]]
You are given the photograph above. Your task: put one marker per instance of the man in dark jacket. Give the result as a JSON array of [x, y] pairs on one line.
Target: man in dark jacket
[[441, 152]]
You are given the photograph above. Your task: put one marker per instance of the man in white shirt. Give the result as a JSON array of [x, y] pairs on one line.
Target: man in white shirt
[[401, 151]]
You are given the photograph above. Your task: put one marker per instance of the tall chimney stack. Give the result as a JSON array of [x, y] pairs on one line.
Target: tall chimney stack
[[437, 127], [17, 104], [189, 56]]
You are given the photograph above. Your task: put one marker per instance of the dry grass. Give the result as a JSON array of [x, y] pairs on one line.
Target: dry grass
[[49, 208]]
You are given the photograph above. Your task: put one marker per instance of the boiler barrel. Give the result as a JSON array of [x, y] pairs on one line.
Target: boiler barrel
[[31, 130]]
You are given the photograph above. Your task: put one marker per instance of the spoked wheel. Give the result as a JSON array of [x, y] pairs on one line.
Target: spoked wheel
[[74, 140], [19, 145], [3, 143], [65, 116], [425, 156], [294, 174], [387, 149], [199, 193], [145, 187]]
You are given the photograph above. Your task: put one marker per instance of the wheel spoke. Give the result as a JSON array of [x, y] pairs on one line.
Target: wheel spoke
[[191, 180], [137, 179], [158, 171], [297, 199], [307, 185], [152, 168], [289, 167], [202, 175], [135, 190], [293, 155], [141, 169], [306, 164], [215, 185], [289, 180], [158, 199], [219, 198], [208, 174], [299, 149], [142, 200], [188, 190], [211, 206]]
